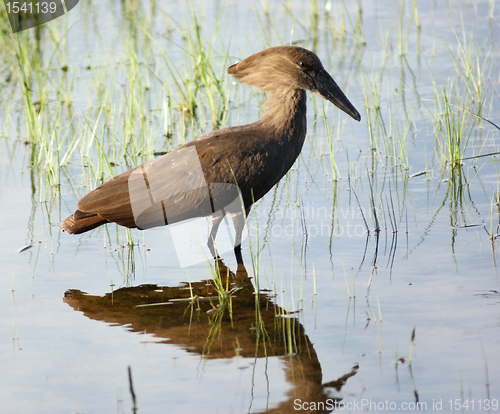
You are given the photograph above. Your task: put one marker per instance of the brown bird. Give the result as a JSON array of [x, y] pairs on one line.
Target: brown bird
[[234, 166]]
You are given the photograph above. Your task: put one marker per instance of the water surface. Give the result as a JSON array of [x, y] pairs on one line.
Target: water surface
[[349, 300]]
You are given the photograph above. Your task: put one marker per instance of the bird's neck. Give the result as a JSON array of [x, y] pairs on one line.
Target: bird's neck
[[285, 116]]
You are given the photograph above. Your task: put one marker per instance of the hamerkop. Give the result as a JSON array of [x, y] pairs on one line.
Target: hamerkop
[[251, 158]]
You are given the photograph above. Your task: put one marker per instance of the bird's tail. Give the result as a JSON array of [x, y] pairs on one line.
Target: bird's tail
[[80, 222]]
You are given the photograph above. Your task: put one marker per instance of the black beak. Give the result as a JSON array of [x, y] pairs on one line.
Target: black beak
[[328, 89]]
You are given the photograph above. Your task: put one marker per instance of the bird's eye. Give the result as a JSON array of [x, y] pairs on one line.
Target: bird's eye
[[302, 64]]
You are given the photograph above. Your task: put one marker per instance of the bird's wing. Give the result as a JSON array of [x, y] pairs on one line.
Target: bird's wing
[[164, 190]]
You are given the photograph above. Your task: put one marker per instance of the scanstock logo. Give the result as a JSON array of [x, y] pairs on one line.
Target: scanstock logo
[[172, 189], [30, 13]]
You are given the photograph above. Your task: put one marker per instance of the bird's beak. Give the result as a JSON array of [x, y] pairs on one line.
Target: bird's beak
[[329, 90]]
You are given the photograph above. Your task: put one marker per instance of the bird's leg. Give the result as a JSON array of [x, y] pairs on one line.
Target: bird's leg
[[239, 221], [216, 220], [237, 253]]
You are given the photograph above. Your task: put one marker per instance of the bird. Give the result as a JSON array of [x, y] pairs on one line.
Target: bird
[[224, 171]]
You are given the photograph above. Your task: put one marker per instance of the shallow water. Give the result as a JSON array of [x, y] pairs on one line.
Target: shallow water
[[350, 301]]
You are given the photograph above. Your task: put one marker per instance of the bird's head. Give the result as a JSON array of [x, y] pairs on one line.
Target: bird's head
[[291, 67]]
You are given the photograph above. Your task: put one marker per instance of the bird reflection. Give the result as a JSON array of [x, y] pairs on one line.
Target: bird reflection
[[211, 316]]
